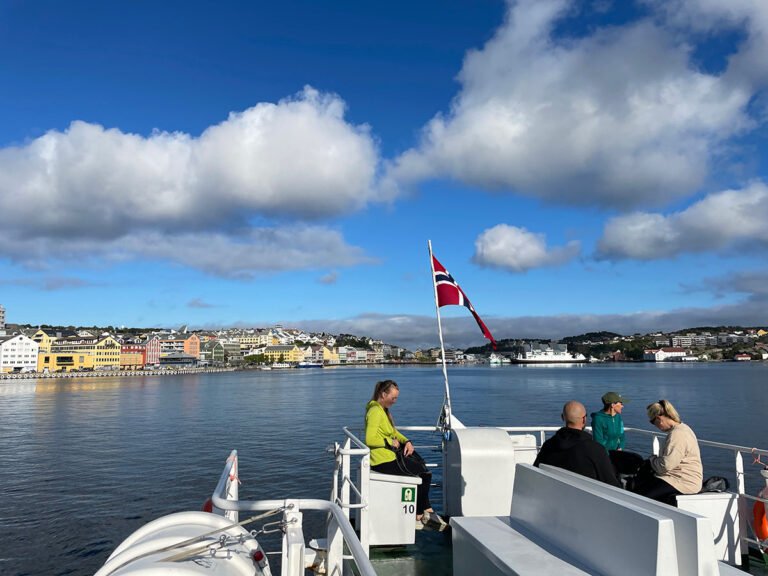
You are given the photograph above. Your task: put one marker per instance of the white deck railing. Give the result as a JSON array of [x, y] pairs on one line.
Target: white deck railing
[[339, 530]]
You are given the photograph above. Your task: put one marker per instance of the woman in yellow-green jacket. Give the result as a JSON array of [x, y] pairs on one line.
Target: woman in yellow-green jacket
[[393, 453]]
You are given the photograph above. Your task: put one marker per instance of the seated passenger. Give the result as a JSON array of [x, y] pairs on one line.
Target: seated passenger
[[573, 449], [608, 430], [677, 469], [393, 453]]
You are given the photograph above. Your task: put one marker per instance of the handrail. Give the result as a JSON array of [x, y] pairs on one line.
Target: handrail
[[220, 501], [361, 559], [734, 447]]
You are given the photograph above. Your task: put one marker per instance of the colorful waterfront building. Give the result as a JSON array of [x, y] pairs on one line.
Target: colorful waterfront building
[[132, 356], [152, 348], [64, 362], [180, 342], [18, 353], [212, 353], [104, 349], [46, 336], [287, 353]]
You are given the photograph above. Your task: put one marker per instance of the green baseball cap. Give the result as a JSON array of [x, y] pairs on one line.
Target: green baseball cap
[[612, 397]]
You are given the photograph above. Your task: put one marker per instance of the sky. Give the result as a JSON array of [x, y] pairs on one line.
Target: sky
[[577, 165]]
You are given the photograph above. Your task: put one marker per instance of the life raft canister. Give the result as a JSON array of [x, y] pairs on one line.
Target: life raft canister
[[758, 517]]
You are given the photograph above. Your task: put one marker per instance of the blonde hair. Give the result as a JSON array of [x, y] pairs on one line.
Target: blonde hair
[[663, 408]]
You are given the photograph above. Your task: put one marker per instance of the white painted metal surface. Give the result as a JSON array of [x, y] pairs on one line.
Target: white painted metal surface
[[186, 544], [392, 509], [479, 472], [722, 510]]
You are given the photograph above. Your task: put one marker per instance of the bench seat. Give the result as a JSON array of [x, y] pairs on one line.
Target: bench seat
[[557, 527]]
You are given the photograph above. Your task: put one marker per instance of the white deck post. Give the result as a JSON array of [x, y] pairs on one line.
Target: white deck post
[[293, 541], [345, 479], [365, 482], [741, 490]]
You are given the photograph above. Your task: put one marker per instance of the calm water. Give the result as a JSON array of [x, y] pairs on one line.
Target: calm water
[[84, 463]]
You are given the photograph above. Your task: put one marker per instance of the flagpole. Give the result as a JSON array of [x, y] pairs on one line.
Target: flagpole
[[447, 406]]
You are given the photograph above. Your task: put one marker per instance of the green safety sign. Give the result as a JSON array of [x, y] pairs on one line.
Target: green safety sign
[[408, 494]]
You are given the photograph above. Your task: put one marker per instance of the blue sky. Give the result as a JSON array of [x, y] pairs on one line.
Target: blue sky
[[578, 166]]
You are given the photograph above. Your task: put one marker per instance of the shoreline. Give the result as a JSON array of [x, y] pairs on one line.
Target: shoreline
[[112, 373]]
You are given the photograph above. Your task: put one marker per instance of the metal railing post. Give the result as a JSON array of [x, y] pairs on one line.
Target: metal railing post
[[345, 479], [741, 491], [655, 447], [293, 540], [365, 480]]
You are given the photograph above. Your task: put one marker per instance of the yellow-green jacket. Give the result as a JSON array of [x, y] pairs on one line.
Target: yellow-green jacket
[[379, 433]]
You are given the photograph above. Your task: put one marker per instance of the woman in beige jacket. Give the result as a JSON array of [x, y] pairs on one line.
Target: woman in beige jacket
[[677, 469]]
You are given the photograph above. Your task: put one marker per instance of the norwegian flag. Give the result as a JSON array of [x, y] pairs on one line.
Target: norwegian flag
[[449, 294]]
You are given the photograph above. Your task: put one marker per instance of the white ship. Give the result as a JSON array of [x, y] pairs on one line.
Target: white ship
[[548, 354]]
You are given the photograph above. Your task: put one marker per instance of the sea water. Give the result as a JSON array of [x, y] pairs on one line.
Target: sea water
[[84, 462]]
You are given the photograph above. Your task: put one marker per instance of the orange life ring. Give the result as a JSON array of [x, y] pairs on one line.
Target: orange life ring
[[759, 521]]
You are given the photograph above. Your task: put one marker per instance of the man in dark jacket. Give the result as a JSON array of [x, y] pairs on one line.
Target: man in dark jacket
[[575, 450]]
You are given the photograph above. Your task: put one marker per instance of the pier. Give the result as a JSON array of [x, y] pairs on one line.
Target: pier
[[111, 373]]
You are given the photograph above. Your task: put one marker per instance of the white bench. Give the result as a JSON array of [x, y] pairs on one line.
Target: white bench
[[694, 539], [559, 527]]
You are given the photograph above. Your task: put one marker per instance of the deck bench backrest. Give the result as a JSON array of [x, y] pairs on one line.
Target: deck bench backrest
[[609, 534], [693, 533]]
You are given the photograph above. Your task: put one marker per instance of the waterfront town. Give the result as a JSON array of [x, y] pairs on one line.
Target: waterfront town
[[50, 350]]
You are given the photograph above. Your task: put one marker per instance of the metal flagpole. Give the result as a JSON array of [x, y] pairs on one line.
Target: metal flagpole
[[447, 405]]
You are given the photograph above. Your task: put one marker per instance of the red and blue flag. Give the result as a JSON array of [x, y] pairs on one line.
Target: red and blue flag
[[449, 294]]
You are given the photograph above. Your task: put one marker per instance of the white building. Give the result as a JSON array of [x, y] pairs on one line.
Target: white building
[[665, 355], [18, 354], [2, 320]]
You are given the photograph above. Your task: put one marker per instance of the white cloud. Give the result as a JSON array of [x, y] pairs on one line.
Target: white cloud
[[620, 118], [419, 331], [295, 159], [91, 191], [713, 17], [518, 250], [719, 221], [237, 255]]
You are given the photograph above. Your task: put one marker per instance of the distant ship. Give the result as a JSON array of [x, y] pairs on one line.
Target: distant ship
[[310, 365], [548, 354]]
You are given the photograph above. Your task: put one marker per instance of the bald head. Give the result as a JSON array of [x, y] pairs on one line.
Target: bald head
[[574, 415]]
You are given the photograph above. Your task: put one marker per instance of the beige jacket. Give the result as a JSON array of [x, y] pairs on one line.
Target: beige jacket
[[680, 461]]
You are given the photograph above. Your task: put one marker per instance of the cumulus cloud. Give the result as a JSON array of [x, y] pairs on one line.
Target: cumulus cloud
[[618, 118], [518, 250], [719, 221], [89, 187], [714, 17]]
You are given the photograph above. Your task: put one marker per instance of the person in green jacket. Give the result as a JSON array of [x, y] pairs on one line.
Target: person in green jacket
[[607, 425], [608, 431], [393, 453]]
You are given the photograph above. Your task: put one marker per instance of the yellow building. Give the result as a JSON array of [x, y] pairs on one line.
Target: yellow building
[[330, 355], [104, 350], [45, 337], [290, 353], [64, 362]]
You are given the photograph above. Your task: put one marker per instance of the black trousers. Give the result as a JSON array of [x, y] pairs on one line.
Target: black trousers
[[657, 489], [410, 466]]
